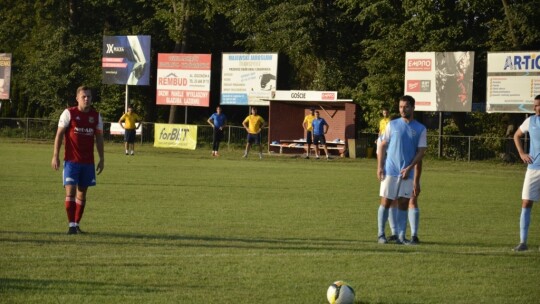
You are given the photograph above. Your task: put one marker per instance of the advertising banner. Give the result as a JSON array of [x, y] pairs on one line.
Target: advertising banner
[[513, 80], [183, 79], [5, 75], [126, 60], [305, 95], [116, 129], [440, 81], [175, 136], [248, 78]]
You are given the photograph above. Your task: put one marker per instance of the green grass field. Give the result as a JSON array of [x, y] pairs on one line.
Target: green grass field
[[175, 226]]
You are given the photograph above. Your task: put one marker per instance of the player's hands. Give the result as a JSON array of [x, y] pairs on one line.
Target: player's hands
[[100, 166], [405, 172], [526, 158], [55, 163], [416, 189], [380, 174]]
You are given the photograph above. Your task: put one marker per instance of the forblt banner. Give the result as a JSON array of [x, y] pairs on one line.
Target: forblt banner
[[175, 136], [513, 80], [183, 79], [440, 81], [5, 75]]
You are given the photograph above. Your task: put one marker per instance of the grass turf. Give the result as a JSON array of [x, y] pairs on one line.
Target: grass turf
[[177, 226]]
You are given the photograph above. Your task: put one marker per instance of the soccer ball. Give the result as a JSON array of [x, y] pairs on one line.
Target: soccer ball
[[340, 293]]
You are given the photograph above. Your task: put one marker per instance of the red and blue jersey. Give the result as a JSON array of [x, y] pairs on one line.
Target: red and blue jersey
[[81, 128]]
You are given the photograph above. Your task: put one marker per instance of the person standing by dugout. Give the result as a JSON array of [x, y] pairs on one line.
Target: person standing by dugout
[[130, 122]]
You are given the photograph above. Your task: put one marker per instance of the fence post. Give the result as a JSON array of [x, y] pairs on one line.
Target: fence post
[[229, 138], [26, 131], [469, 148]]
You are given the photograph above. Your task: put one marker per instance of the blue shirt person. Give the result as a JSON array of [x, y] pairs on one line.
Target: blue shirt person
[[402, 147], [218, 121], [320, 127]]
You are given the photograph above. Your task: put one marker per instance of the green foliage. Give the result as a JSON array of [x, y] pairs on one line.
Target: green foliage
[[354, 47]]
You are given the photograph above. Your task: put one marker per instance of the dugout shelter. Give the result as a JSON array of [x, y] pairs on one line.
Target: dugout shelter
[[287, 136]]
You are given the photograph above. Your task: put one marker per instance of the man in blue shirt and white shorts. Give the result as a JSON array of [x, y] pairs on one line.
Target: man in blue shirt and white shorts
[[402, 146]]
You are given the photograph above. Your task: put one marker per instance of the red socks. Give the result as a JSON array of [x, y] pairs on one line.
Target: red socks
[[79, 210], [70, 208]]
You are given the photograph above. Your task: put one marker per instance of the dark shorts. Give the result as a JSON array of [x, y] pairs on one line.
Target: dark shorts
[[83, 175], [129, 136], [309, 137], [254, 138], [319, 139]]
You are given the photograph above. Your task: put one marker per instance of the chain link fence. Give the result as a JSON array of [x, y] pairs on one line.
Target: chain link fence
[[461, 148]]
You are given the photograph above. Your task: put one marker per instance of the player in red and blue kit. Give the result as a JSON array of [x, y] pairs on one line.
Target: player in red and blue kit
[[80, 126]]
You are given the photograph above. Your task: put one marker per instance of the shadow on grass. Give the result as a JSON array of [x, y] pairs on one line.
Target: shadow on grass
[[278, 244], [79, 287]]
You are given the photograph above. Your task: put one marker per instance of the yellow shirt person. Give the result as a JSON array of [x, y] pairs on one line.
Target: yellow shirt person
[[253, 125]]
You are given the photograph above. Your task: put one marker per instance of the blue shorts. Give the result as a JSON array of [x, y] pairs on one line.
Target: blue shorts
[[309, 137], [129, 136], [319, 139], [82, 175], [254, 138]]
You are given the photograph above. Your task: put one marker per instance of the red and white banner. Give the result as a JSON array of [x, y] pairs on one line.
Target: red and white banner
[[183, 79]]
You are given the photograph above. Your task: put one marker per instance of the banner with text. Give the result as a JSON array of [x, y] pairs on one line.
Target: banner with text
[[305, 95], [248, 78], [183, 79], [175, 136], [126, 60], [5, 75], [513, 80], [440, 81]]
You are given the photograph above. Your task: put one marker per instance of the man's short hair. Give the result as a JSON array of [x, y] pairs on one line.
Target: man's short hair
[[409, 99], [537, 97], [83, 88]]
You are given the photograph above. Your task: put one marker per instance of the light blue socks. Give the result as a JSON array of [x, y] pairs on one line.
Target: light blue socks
[[382, 217], [402, 223], [414, 220], [392, 219], [524, 222]]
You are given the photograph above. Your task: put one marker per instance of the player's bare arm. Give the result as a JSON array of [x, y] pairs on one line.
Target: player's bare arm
[[55, 163]]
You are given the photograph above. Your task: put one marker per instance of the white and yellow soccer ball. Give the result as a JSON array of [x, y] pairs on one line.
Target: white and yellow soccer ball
[[340, 293]]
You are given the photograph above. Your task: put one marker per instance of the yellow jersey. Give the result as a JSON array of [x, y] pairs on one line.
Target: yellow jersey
[[309, 121], [382, 125], [255, 123], [130, 120]]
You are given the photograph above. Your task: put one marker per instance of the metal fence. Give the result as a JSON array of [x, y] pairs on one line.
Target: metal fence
[[462, 148]]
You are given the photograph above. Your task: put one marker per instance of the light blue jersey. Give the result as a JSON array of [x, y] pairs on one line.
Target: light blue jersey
[[218, 119], [403, 140], [532, 125]]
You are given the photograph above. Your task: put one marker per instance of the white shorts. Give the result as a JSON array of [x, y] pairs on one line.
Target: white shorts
[[531, 186], [393, 187]]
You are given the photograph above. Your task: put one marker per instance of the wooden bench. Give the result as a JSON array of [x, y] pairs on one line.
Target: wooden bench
[[295, 144]]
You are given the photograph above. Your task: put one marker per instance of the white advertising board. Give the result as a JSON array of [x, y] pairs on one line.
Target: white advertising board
[[440, 81], [513, 80], [248, 78]]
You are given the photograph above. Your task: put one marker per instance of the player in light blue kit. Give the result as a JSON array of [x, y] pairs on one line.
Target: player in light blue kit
[[531, 184], [403, 145]]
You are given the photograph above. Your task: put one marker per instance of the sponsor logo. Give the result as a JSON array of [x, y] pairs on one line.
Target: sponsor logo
[[91, 120], [418, 85], [83, 131], [111, 49], [172, 79], [527, 62], [328, 96], [177, 134], [419, 65]]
